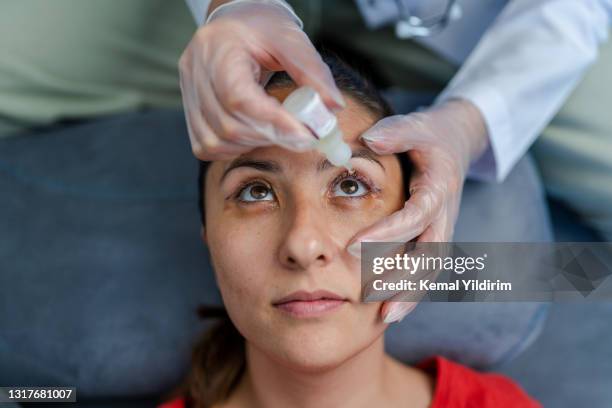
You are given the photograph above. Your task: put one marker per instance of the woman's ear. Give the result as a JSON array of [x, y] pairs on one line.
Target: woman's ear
[[203, 235]]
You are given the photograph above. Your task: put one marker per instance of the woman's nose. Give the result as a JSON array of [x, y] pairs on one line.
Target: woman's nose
[[308, 241]]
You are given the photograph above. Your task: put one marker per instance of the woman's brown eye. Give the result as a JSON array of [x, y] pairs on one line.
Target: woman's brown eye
[[256, 192], [259, 192], [350, 187]]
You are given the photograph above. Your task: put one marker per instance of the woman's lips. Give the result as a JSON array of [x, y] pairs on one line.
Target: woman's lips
[[310, 308], [310, 304]]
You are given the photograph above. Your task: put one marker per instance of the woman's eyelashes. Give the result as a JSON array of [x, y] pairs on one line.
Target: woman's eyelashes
[[351, 185], [347, 185]]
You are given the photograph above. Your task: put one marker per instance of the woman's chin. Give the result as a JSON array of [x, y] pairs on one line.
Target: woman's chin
[[311, 358], [316, 348], [314, 344]]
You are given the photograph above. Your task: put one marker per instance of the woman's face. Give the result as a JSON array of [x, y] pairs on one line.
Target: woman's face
[[277, 225]]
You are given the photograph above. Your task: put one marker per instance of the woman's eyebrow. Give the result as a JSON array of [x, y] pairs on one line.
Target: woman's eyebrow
[[363, 153], [273, 167], [263, 165]]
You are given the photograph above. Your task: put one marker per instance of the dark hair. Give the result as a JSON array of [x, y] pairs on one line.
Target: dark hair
[[219, 361]]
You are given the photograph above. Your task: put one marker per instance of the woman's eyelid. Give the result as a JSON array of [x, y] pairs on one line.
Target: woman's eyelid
[[240, 178], [249, 186], [353, 175], [358, 176], [254, 182], [364, 170]]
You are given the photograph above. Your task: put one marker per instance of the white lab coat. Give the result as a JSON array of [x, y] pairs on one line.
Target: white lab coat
[[519, 62]]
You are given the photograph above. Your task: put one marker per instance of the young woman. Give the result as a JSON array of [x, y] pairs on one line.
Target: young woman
[[294, 332]]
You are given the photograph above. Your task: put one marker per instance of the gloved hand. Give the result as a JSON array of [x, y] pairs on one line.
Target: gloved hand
[[222, 71], [441, 143]]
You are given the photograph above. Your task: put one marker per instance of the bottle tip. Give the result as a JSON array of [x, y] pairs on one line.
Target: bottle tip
[[339, 155]]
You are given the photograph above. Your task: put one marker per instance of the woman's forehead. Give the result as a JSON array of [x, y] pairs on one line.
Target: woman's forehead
[[352, 120]]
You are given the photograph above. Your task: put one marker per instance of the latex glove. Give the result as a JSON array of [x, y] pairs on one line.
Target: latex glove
[[222, 71], [441, 143]]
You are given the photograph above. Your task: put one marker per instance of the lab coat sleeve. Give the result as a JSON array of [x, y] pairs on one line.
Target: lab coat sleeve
[[199, 9], [523, 69]]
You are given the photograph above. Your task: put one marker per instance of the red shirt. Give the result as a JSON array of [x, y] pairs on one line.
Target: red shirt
[[458, 386]]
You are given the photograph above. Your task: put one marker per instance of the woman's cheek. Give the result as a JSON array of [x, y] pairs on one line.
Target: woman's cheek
[[256, 213], [239, 255], [355, 214], [246, 228], [242, 273]]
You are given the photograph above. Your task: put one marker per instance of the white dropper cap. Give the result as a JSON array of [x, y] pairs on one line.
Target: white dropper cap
[[306, 105], [335, 149]]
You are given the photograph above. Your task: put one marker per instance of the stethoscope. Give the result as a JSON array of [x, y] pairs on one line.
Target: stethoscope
[[410, 26]]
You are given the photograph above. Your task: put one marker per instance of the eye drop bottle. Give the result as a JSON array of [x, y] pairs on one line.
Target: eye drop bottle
[[306, 105]]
